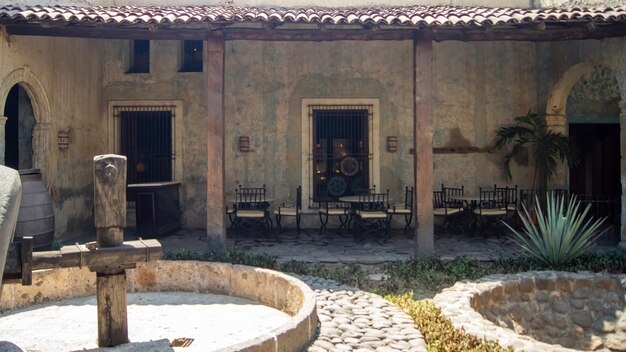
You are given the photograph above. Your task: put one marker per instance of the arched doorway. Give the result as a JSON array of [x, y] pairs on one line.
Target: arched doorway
[[592, 111], [18, 148]]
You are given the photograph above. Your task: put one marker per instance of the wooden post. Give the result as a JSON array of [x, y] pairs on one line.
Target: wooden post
[[110, 218], [423, 152], [215, 207]]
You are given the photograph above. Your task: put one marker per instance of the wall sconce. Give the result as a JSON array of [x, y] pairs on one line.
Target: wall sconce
[[392, 144], [244, 144], [63, 140]]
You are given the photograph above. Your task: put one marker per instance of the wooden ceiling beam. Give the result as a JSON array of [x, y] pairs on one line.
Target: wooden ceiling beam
[[550, 33]]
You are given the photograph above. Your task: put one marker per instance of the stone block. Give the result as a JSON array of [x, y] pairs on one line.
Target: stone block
[[581, 293], [214, 277], [526, 285], [592, 343], [144, 277], [544, 283], [177, 275], [604, 324], [563, 284], [616, 342], [561, 306], [542, 296], [582, 319], [605, 284], [577, 303], [621, 323], [510, 287]]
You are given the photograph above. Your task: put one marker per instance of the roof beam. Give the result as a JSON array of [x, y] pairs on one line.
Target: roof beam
[[578, 32]]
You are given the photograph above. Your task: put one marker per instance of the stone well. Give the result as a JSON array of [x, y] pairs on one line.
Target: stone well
[[542, 311], [268, 287]]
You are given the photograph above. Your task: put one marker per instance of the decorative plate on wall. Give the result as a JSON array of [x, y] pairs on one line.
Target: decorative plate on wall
[[349, 166], [337, 186]]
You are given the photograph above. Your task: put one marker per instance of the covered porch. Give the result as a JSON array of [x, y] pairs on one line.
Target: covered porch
[[437, 80]]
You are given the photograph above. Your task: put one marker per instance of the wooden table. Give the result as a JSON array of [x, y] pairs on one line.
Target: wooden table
[[157, 205]]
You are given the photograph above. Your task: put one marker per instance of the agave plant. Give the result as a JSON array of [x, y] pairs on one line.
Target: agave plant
[[560, 235]]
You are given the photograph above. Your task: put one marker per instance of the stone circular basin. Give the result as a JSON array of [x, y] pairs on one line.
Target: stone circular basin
[[209, 306], [542, 311]]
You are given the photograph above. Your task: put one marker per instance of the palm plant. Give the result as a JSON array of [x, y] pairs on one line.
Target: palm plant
[[547, 148], [561, 235]]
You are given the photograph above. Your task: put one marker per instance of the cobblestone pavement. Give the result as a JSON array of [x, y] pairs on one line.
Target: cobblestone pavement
[[309, 246], [353, 320]]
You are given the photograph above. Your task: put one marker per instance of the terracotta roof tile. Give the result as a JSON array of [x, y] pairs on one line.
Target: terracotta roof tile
[[418, 16]]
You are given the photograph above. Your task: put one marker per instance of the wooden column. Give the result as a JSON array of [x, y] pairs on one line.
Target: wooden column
[[622, 147], [423, 154], [110, 219], [215, 207]]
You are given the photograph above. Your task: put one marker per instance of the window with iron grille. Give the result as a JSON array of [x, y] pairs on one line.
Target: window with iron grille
[[340, 150], [191, 56], [146, 139]]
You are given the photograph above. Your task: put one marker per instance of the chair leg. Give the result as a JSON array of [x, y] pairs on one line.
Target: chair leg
[[279, 228], [323, 222], [298, 222], [408, 218]]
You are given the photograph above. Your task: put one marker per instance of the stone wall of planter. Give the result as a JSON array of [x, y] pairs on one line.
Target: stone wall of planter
[[551, 311]]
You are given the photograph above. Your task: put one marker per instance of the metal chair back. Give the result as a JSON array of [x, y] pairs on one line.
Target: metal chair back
[[360, 191], [508, 195], [374, 201], [450, 192], [250, 198]]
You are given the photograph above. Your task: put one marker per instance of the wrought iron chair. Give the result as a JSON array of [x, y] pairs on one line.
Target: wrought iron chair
[[509, 196], [371, 214], [492, 206], [294, 210], [337, 209], [449, 193], [359, 191], [251, 205], [405, 208], [445, 209]]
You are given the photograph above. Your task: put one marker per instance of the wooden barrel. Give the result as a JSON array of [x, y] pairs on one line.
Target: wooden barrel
[[36, 216]]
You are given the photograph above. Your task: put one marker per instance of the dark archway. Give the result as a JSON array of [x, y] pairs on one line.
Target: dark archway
[[593, 116], [18, 129]]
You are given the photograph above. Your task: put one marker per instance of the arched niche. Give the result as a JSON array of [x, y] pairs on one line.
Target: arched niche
[[25, 78]]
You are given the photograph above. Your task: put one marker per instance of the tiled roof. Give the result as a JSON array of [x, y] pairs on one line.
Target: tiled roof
[[414, 16]]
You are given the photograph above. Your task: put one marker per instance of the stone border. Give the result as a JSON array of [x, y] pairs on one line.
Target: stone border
[[271, 288], [460, 302]]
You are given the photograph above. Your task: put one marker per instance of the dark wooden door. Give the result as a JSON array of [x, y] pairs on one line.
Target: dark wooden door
[[596, 180], [598, 172]]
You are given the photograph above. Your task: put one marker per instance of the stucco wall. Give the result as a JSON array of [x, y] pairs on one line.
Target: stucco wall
[[67, 72], [164, 82], [477, 88], [264, 88], [482, 85]]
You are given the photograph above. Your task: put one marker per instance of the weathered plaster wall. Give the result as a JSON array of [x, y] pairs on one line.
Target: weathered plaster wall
[[477, 88], [264, 88], [482, 85], [164, 82], [69, 73]]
